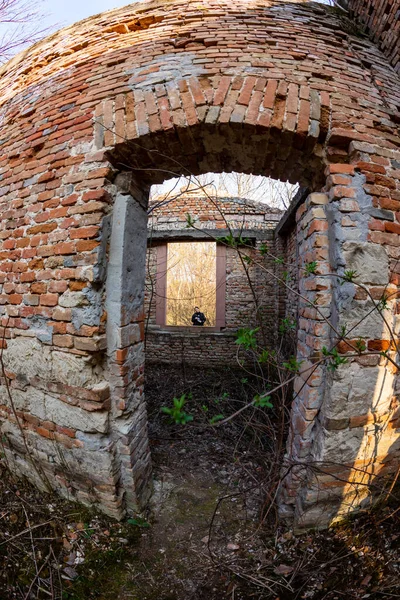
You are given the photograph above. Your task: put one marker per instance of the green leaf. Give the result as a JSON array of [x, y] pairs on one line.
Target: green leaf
[[176, 414], [247, 338], [311, 268], [349, 275], [264, 356], [262, 401], [190, 222], [292, 364], [215, 419], [139, 522], [286, 325]]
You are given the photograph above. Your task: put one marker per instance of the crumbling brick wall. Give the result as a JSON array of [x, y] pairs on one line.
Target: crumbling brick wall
[[380, 20], [90, 119]]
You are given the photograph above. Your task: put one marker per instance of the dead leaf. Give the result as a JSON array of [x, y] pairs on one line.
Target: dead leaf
[[233, 547], [283, 570], [70, 573], [366, 580], [66, 544]]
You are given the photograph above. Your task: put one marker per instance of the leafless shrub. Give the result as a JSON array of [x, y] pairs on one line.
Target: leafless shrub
[[21, 25]]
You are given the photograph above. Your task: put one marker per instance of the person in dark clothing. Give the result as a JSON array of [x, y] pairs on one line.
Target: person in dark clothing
[[198, 318]]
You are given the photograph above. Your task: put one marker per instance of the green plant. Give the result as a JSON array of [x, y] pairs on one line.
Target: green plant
[[233, 241], [311, 268], [361, 345], [264, 356], [262, 401], [349, 275], [292, 364], [222, 396], [247, 338], [286, 325], [334, 360], [383, 303], [215, 419], [176, 413], [286, 276], [190, 222], [139, 522]]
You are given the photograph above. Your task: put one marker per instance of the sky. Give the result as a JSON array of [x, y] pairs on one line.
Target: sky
[[66, 12]]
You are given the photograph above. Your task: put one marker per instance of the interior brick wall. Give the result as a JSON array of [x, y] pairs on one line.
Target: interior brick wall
[[214, 218]]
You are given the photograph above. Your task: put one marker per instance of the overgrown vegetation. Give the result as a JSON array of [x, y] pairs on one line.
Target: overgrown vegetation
[[203, 537]]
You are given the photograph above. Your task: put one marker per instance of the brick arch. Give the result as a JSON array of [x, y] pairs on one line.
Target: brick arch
[[246, 124], [94, 115]]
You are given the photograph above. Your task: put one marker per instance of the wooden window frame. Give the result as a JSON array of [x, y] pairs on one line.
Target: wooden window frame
[[161, 291]]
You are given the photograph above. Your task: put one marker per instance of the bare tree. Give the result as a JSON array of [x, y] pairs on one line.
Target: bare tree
[[191, 281], [273, 192], [21, 24]]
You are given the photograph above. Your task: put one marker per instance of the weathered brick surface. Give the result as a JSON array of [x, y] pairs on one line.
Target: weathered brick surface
[[380, 19], [164, 88]]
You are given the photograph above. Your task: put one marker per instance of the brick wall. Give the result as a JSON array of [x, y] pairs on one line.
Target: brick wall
[[94, 115], [380, 19]]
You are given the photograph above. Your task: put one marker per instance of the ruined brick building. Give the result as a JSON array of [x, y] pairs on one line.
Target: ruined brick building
[[94, 115], [241, 291]]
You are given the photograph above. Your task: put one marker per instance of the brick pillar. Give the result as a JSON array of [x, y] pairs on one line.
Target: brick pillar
[[314, 306]]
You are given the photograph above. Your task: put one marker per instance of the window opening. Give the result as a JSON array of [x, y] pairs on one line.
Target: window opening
[[191, 282]]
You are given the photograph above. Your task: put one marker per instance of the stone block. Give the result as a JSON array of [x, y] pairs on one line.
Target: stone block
[[357, 390], [73, 299], [369, 261]]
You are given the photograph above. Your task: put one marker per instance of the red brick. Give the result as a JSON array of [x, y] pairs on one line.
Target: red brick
[[341, 168], [49, 299], [63, 341], [86, 245], [96, 195], [269, 96], [64, 248], [246, 91], [15, 298], [66, 431], [392, 227], [45, 433]]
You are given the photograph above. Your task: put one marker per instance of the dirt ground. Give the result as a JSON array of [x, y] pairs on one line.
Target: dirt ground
[[202, 538]]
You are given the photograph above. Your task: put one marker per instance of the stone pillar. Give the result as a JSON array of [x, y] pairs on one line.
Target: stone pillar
[[125, 347]]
